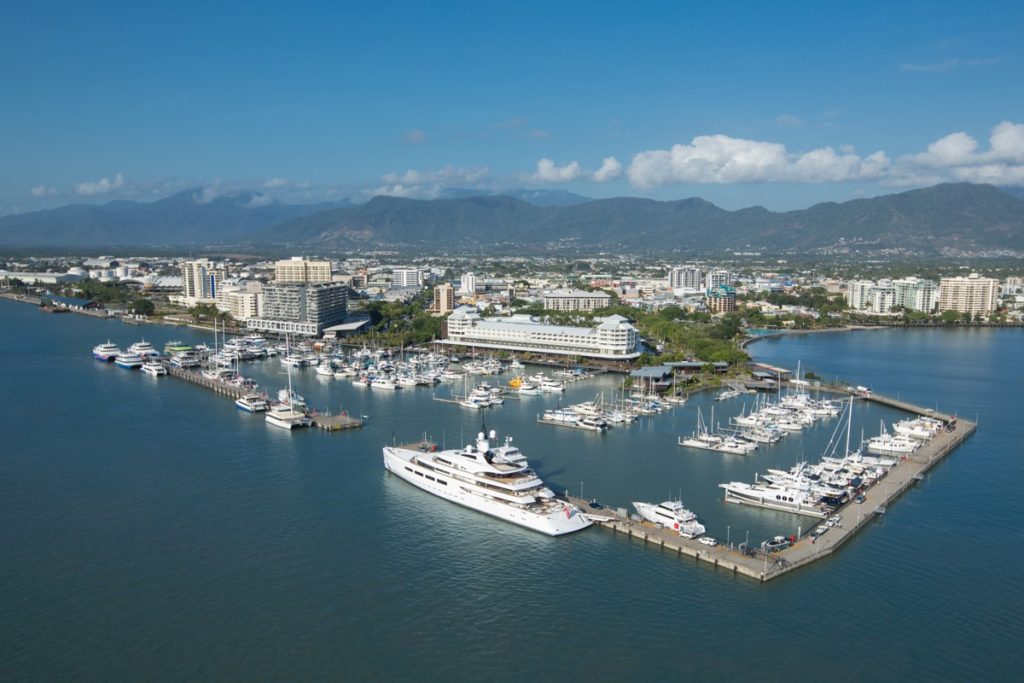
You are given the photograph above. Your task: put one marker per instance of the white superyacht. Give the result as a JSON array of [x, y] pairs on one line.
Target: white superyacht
[[495, 480]]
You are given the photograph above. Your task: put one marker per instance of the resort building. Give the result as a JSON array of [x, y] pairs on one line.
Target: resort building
[[611, 338], [972, 294], [300, 270], [576, 300], [304, 309]]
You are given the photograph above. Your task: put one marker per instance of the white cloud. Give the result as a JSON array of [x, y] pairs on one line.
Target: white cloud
[[957, 156], [43, 191], [724, 159], [414, 137], [275, 182], [610, 169], [539, 134], [950, 64], [514, 122], [549, 172], [101, 186], [788, 121], [429, 184]]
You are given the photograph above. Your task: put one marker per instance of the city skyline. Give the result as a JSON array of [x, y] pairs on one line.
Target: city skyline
[[667, 102]]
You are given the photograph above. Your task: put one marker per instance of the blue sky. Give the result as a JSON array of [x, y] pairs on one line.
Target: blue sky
[[740, 103]]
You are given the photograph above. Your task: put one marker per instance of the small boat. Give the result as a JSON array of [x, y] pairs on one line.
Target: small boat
[[176, 347], [286, 417], [253, 403]]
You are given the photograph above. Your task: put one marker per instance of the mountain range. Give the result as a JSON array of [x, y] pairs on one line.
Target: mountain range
[[949, 216]]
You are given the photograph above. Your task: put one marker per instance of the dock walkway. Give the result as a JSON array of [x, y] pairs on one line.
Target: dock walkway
[[767, 566], [229, 390]]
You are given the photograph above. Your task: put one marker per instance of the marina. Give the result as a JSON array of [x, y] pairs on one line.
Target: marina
[[764, 566]]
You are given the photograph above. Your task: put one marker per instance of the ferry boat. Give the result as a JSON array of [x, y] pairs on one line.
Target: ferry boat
[[106, 352], [128, 361], [176, 347], [672, 515], [485, 478], [143, 348], [154, 368], [253, 403]]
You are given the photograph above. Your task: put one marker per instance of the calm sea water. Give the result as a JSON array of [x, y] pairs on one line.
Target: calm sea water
[[152, 531]]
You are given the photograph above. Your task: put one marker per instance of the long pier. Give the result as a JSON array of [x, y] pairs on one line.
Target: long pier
[[229, 390], [851, 517]]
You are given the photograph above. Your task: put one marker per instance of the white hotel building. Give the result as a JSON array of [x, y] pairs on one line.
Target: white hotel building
[[613, 338]]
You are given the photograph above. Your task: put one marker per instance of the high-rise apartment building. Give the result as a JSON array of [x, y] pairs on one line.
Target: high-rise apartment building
[[717, 278], [576, 300], [306, 309], [915, 294], [444, 299], [467, 284], [200, 281], [686, 277], [972, 294], [300, 270]]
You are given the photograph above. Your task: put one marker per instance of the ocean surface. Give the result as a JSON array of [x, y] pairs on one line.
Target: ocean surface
[[151, 531]]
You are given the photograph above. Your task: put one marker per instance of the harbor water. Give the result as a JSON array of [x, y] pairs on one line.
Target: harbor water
[[153, 531]]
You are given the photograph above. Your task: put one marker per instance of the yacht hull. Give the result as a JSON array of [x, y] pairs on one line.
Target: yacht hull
[[399, 462]]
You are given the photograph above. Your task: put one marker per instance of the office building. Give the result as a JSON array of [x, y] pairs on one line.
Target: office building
[[406, 277], [972, 294], [300, 270], [305, 309], [576, 300], [611, 338]]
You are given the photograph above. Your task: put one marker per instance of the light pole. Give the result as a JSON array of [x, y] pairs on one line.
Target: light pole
[[728, 529]]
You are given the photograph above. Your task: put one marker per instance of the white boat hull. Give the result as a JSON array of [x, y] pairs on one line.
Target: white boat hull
[[554, 524]]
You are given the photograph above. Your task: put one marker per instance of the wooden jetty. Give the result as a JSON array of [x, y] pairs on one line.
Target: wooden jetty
[[763, 566], [230, 390], [326, 422], [334, 423]]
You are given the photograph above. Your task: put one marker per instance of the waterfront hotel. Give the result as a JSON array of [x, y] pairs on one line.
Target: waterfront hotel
[[611, 338]]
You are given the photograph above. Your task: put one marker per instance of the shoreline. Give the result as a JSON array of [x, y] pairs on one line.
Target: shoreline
[[786, 333]]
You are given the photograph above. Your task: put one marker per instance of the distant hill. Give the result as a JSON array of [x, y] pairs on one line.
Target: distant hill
[[180, 219], [958, 215], [962, 215]]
